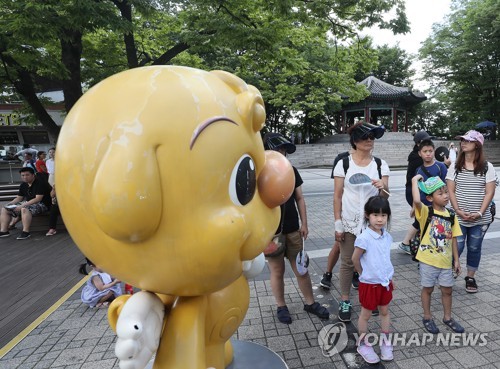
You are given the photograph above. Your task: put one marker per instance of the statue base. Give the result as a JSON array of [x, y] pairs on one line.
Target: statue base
[[249, 355]]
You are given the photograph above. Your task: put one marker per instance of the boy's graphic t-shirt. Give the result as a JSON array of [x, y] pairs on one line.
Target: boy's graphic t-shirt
[[436, 244]]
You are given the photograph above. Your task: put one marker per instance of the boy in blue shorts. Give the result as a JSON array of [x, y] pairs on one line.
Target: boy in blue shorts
[[438, 250]]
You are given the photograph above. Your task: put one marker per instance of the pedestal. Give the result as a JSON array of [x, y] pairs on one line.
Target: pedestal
[[249, 355]]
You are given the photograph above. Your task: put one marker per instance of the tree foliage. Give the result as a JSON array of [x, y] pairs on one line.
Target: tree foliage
[[394, 66], [300, 54], [462, 60]]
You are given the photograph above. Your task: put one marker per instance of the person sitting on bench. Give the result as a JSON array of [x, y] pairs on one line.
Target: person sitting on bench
[[32, 199]]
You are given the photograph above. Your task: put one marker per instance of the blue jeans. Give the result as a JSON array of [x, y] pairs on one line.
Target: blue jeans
[[473, 236]]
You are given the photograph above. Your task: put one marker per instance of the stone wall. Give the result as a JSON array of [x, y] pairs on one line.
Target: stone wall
[[394, 150]]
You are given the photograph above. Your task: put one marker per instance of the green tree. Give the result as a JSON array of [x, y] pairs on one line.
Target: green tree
[[73, 43], [394, 66], [432, 116], [462, 61]]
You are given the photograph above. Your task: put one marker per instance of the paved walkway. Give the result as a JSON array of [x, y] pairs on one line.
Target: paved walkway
[[74, 336]]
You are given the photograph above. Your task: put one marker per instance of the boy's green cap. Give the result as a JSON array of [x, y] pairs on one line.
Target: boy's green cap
[[431, 185]]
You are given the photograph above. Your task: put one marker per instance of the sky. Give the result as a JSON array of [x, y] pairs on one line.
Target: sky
[[422, 14]]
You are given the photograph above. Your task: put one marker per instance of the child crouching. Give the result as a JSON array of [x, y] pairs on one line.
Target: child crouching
[[101, 288]]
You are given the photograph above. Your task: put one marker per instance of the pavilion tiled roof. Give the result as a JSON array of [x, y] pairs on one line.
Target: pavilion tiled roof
[[385, 91]]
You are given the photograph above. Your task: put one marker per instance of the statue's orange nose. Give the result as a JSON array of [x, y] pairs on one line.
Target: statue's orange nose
[[276, 181]]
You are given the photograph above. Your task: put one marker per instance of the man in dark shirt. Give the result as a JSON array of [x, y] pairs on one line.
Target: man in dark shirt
[[295, 233], [32, 199]]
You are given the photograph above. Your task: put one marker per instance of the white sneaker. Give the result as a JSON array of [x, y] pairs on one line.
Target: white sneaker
[[368, 354], [386, 352]]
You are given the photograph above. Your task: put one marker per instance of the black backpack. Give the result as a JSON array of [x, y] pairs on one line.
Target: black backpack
[[415, 243], [344, 156]]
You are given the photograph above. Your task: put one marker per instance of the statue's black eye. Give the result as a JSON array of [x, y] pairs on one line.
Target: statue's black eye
[[242, 183]]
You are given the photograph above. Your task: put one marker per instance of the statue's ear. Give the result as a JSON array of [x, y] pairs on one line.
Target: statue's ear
[[126, 195], [248, 100], [251, 107]]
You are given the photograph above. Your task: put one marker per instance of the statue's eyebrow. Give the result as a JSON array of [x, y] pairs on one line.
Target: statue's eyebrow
[[197, 131]]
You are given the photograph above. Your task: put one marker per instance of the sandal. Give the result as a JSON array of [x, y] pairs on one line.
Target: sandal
[[430, 326], [318, 310], [454, 325], [51, 232], [284, 315], [470, 285]]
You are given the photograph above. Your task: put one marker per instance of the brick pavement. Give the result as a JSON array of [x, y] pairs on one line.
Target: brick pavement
[[75, 336]]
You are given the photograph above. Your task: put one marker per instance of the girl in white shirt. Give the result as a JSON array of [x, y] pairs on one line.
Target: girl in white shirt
[[372, 260]]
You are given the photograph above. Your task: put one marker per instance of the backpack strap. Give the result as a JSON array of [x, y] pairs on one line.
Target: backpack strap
[[451, 218], [426, 172], [427, 221], [336, 160], [345, 164], [379, 166]]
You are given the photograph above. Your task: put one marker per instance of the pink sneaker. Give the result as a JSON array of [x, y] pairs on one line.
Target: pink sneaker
[[386, 352], [368, 354], [51, 232]]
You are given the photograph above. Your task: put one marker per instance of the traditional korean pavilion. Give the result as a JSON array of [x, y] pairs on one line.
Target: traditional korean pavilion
[[384, 100]]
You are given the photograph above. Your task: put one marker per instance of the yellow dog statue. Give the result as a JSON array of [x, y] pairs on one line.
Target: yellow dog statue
[[163, 181]]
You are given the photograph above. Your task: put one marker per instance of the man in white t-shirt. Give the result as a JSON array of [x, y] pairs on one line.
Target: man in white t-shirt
[[50, 164]]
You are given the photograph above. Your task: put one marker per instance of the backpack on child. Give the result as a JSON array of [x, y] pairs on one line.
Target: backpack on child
[[344, 156], [415, 242]]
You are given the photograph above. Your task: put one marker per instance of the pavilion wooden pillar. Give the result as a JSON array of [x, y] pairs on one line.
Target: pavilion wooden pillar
[[406, 120], [367, 114], [394, 120]]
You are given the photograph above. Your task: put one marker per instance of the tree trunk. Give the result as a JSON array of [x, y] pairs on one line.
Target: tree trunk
[[128, 38], [26, 88], [23, 83], [71, 53]]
